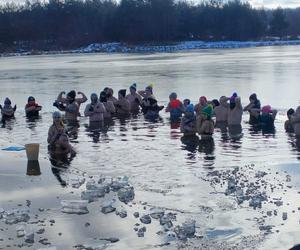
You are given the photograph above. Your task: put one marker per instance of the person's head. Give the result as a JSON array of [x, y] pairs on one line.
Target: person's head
[[223, 100], [202, 100], [253, 98], [215, 103], [186, 102], [132, 89], [189, 111], [290, 112], [109, 92], [298, 111], [71, 96], [122, 93], [94, 98], [103, 97], [234, 94], [149, 90], [173, 96], [31, 100], [7, 101], [266, 109], [232, 102], [207, 111], [56, 117]]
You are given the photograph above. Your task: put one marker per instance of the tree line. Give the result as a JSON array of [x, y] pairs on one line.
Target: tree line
[[65, 24]]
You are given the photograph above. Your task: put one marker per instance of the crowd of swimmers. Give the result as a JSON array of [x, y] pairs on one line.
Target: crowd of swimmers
[[201, 118]]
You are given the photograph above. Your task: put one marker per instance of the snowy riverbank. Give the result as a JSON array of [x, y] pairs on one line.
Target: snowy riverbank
[[117, 47]]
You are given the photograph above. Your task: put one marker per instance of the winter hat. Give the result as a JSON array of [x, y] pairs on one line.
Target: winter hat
[[223, 99], [94, 97], [173, 95], [103, 97], [187, 101], [253, 97], [290, 112], [56, 115], [190, 108], [31, 99], [208, 110], [72, 94], [7, 101], [133, 86], [203, 99], [266, 109], [215, 102], [234, 94], [150, 88], [122, 92]]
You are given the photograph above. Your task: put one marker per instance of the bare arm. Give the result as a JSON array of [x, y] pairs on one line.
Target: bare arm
[[82, 99], [87, 111], [142, 93], [60, 97], [274, 113], [248, 107]]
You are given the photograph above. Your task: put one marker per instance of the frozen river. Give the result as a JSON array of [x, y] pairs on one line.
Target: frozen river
[[164, 172]]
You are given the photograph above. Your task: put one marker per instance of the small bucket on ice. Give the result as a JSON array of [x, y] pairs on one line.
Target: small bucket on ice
[[32, 151]]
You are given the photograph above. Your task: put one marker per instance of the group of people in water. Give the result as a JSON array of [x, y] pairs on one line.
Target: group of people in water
[[201, 118]]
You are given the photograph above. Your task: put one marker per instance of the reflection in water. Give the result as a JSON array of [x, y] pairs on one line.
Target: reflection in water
[[235, 132], [94, 130], [268, 131], [207, 146], [33, 122], [59, 165], [8, 123], [33, 168], [294, 141], [73, 129], [190, 142]]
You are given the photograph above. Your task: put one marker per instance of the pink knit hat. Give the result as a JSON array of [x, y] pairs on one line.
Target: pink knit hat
[[266, 109]]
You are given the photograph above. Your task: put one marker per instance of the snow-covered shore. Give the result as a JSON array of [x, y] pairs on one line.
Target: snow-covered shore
[[187, 45], [116, 47]]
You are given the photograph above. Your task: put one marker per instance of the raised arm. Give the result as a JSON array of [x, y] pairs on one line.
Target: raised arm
[[60, 97], [82, 99]]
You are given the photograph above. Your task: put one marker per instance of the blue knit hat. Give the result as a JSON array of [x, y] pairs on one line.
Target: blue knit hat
[[190, 108]]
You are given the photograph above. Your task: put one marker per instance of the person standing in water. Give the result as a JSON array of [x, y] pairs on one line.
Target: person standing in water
[[7, 111], [109, 106], [175, 107], [149, 104], [32, 108], [58, 139], [122, 105], [267, 119], [200, 105], [296, 122], [254, 110], [72, 105], [95, 110], [235, 113], [221, 111], [205, 126], [188, 122], [134, 99], [110, 95], [288, 125]]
